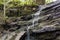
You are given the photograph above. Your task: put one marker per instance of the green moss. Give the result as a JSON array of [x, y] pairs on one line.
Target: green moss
[[22, 10]]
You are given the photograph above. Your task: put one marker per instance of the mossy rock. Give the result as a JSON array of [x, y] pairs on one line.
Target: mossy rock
[[21, 10]]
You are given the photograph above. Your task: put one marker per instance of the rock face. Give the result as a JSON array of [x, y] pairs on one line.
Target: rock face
[[45, 26], [49, 16], [48, 27], [52, 35]]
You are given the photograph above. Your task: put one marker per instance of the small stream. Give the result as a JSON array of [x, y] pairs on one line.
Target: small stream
[[35, 19]]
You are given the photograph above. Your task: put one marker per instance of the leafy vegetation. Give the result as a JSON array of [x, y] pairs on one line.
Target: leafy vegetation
[[1, 1], [23, 7], [22, 2], [49, 1], [20, 7]]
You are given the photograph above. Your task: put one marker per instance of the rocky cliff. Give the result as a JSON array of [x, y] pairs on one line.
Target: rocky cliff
[[48, 24]]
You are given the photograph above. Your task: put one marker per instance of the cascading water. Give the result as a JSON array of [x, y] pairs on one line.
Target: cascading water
[[35, 19], [28, 34]]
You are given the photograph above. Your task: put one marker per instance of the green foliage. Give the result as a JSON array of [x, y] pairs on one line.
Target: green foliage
[[18, 2], [24, 7], [27, 2], [1, 1], [49, 1], [23, 2]]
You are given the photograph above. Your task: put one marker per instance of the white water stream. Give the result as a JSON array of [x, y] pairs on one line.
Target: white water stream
[[36, 17]]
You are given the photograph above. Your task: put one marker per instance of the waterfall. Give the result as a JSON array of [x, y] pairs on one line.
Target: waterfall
[[28, 34], [36, 17]]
